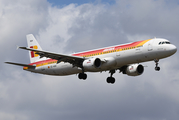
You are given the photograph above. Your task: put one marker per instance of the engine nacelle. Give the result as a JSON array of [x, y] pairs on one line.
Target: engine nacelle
[[134, 70], [92, 64]]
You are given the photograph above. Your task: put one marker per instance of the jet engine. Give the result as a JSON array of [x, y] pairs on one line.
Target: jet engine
[[134, 70], [92, 64]]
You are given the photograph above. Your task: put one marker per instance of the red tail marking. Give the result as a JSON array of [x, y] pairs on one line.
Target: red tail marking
[[32, 53]]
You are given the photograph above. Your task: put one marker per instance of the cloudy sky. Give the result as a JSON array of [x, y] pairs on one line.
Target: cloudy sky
[[69, 26]]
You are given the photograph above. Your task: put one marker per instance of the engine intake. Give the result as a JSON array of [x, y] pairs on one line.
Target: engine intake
[[92, 64], [97, 62]]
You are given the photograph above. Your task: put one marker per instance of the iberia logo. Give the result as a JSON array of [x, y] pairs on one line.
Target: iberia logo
[[32, 52]]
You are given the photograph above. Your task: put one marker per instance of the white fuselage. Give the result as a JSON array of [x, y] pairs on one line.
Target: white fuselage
[[149, 51]]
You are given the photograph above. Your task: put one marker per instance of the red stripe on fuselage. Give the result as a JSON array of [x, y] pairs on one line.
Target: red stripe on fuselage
[[108, 49], [43, 61]]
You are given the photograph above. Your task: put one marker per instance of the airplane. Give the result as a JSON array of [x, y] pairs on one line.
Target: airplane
[[125, 57]]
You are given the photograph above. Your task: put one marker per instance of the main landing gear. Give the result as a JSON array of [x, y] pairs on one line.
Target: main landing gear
[[82, 76], [108, 80], [157, 68], [111, 79]]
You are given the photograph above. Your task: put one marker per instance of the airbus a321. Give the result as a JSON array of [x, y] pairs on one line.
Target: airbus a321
[[126, 58]]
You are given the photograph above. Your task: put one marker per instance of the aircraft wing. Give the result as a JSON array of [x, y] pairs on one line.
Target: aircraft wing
[[19, 64], [74, 60]]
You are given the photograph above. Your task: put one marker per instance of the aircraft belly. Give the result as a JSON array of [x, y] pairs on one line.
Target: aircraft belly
[[66, 69], [56, 69]]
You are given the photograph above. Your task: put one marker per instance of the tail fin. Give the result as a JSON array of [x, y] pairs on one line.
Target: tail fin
[[32, 43]]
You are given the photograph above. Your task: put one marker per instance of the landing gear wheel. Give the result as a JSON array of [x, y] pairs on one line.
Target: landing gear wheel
[[110, 80], [82, 76], [157, 68]]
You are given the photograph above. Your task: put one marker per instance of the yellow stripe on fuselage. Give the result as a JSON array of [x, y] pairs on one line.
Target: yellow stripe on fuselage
[[143, 42], [45, 63]]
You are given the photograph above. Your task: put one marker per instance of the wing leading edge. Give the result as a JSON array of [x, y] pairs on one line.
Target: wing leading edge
[[74, 60]]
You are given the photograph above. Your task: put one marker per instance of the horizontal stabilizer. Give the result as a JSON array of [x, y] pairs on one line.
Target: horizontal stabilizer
[[19, 64]]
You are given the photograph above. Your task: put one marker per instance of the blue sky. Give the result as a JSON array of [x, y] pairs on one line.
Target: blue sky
[[67, 2]]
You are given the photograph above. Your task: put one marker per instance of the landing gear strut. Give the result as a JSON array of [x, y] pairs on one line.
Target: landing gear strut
[[157, 68], [111, 79], [82, 76]]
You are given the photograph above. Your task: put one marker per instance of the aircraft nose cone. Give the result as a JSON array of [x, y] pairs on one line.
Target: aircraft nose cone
[[173, 49]]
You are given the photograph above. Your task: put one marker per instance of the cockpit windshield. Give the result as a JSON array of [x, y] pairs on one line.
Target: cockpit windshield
[[164, 42]]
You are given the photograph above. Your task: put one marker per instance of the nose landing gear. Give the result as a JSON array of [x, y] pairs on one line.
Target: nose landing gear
[[157, 68]]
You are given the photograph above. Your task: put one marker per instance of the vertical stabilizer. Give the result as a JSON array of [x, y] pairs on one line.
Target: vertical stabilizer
[[32, 43]]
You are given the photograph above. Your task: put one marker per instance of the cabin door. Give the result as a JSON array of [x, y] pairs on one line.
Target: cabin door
[[150, 47]]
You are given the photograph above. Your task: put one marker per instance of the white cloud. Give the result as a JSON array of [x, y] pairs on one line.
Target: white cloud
[[55, 35], [71, 28]]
